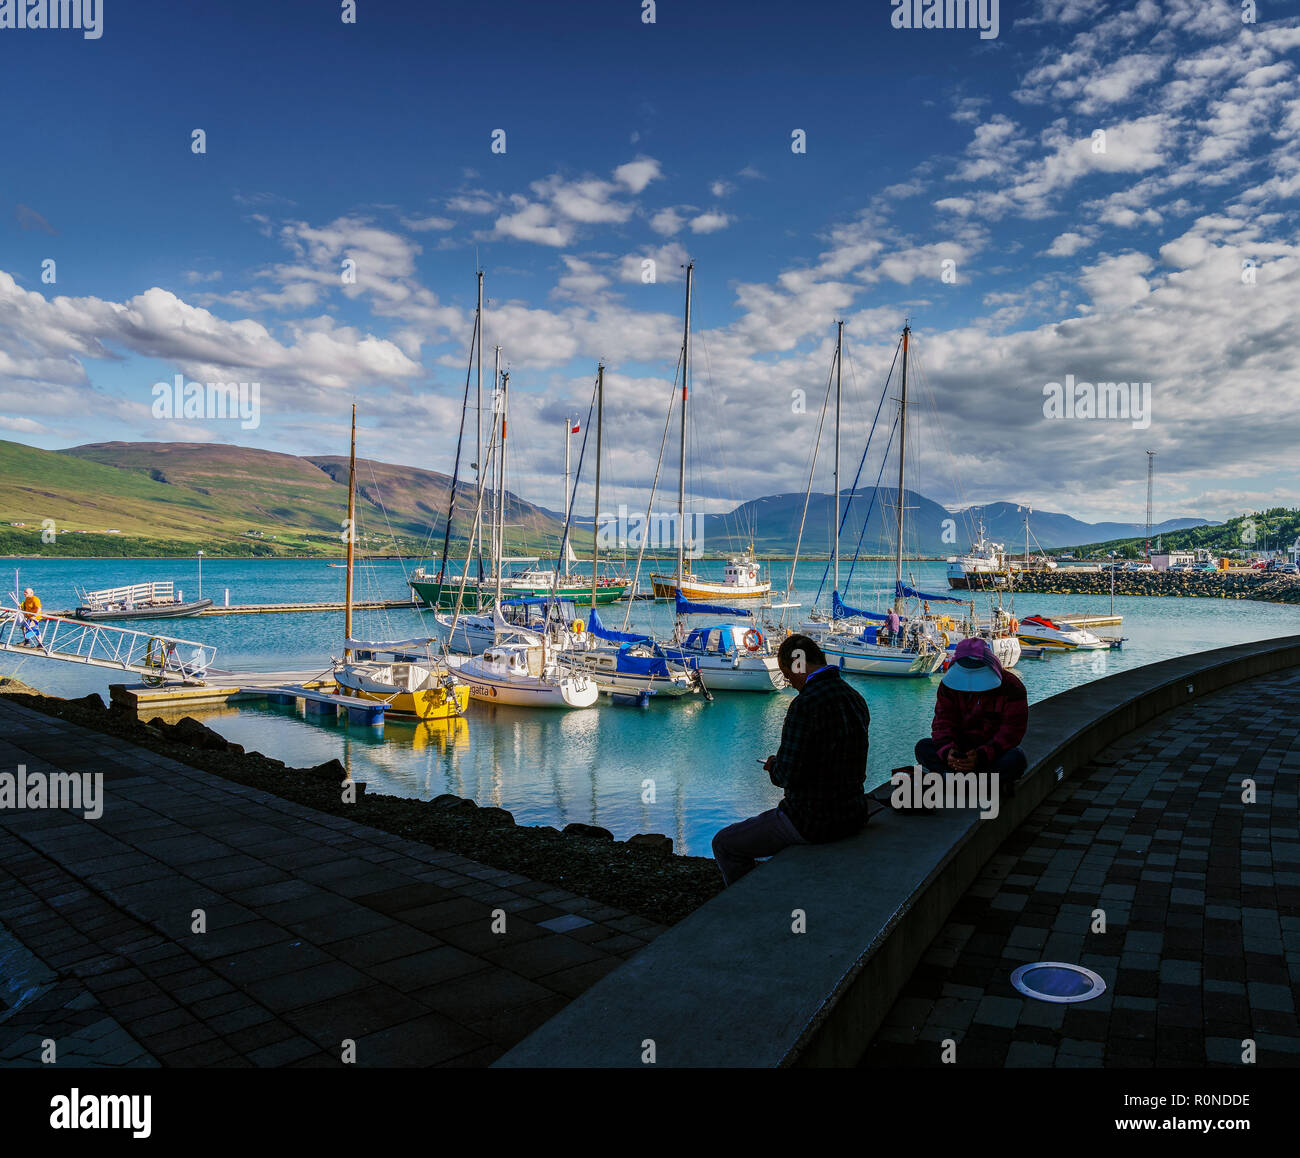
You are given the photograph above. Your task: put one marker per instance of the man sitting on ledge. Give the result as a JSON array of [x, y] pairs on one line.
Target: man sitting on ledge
[[980, 717], [821, 764]]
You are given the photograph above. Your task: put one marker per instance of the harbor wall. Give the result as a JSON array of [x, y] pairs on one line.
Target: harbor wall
[[1216, 585], [799, 963]]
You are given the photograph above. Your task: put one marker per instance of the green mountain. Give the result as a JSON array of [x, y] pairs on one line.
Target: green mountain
[[1274, 529], [166, 498]]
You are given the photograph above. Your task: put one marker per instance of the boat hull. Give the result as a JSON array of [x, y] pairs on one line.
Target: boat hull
[[876, 660], [427, 705], [665, 587], [489, 687], [175, 611]]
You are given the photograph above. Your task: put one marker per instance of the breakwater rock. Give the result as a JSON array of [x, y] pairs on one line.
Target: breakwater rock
[[639, 875], [1219, 585]]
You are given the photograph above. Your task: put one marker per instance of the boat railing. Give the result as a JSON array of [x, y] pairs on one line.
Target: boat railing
[[137, 593]]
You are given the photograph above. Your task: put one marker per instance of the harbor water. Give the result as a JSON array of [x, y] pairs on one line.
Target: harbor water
[[684, 767]]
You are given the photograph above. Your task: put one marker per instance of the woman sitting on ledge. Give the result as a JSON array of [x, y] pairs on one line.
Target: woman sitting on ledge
[[980, 716]]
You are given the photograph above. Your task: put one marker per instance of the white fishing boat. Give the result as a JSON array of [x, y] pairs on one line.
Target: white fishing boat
[[1054, 635], [983, 566]]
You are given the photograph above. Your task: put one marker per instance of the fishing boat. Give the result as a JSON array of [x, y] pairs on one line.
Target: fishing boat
[[730, 657], [140, 601], [1054, 635], [387, 672], [983, 566], [741, 577]]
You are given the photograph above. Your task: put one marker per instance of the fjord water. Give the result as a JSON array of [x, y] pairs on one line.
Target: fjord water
[[592, 765]]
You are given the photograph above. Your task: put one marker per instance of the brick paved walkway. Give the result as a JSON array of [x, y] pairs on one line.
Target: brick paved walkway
[[1201, 894], [319, 929]]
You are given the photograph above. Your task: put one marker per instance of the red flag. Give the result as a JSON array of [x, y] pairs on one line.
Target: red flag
[[576, 425]]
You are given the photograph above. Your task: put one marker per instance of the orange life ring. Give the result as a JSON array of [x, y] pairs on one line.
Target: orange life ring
[[1015, 625], [753, 639]]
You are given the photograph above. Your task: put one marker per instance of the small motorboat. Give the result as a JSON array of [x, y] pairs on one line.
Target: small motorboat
[[141, 601], [1039, 631]]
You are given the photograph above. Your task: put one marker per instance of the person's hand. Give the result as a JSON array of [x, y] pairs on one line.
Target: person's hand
[[963, 763], [769, 763]]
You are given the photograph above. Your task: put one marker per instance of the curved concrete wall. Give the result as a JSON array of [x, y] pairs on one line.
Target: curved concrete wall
[[799, 963]]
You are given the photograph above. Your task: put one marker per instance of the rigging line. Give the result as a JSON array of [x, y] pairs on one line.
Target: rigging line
[[654, 486], [884, 393], [803, 518], [478, 524], [721, 449], [561, 557], [455, 472]]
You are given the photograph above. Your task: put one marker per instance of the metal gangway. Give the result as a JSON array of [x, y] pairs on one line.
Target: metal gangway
[[158, 659]]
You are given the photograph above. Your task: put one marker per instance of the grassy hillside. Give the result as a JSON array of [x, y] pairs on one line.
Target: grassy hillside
[[173, 498], [1276, 529]]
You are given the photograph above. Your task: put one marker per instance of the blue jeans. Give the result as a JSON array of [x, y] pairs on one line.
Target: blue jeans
[[736, 846], [1010, 766]]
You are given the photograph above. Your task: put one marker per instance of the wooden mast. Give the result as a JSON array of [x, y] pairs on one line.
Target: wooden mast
[[352, 534], [595, 525]]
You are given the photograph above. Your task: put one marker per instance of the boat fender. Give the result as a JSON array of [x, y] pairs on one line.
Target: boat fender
[[753, 640], [577, 627], [943, 635]]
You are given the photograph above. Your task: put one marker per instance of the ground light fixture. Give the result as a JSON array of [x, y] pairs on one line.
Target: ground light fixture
[[1057, 982]]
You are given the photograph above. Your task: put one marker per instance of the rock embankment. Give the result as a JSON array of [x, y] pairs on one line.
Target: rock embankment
[[1219, 585], [639, 875]]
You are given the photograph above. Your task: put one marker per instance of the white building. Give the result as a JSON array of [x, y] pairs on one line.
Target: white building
[[1172, 559]]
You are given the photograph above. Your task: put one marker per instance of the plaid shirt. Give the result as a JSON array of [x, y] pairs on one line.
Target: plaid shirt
[[822, 761], [988, 723]]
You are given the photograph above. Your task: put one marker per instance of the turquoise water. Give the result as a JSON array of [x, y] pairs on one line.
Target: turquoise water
[[593, 765]]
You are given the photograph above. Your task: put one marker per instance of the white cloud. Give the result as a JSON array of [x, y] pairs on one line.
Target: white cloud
[[710, 222], [1067, 244]]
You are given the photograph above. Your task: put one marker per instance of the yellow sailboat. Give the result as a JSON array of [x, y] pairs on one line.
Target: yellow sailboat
[[390, 673]]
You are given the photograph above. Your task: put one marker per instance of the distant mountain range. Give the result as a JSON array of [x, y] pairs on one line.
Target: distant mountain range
[[173, 498], [929, 529]]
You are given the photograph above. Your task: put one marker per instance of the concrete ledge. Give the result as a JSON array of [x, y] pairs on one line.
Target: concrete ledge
[[734, 985]]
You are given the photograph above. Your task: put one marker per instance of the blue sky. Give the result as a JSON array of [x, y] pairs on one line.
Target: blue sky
[[625, 140]]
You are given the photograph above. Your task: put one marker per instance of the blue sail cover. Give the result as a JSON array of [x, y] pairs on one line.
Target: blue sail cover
[[842, 610], [911, 593], [685, 607], [600, 631]]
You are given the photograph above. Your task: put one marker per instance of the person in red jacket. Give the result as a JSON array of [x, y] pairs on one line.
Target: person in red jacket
[[980, 717]]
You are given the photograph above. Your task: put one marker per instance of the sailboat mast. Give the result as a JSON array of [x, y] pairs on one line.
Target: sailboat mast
[[498, 538], [681, 480], [352, 499], [568, 438], [839, 352], [902, 456], [595, 524], [478, 412], [501, 489]]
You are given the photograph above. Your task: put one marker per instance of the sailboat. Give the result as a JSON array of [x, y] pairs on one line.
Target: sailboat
[[741, 576], [447, 592], [518, 668], [731, 657], [391, 672], [863, 647], [620, 663]]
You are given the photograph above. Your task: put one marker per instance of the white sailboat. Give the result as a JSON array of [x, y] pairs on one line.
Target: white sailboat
[[518, 668], [741, 577]]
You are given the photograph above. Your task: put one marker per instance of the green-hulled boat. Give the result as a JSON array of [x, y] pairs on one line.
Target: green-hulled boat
[[433, 592]]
